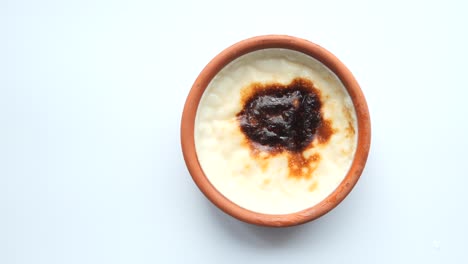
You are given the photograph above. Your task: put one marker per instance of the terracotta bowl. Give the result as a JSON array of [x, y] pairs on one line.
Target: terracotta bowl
[[188, 122]]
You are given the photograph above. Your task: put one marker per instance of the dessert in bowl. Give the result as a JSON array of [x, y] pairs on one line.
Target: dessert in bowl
[[275, 131]]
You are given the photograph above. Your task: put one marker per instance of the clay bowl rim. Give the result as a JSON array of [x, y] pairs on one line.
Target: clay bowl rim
[[191, 106]]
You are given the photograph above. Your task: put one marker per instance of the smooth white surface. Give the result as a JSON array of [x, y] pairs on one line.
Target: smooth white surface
[[91, 94]]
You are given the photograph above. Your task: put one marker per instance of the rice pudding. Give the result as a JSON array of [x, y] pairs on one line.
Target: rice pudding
[[275, 131]]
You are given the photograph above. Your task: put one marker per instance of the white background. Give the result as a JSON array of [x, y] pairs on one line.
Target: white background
[[91, 95]]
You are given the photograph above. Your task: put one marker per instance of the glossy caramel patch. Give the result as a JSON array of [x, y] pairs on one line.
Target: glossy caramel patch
[[325, 131], [286, 120], [283, 117]]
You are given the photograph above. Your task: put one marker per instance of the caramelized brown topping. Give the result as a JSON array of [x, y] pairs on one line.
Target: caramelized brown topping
[[278, 118], [282, 117]]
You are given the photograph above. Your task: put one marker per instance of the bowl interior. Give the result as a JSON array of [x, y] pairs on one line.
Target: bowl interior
[[188, 125]]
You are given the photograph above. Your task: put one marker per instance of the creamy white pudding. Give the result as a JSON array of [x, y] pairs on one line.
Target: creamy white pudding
[[275, 131]]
